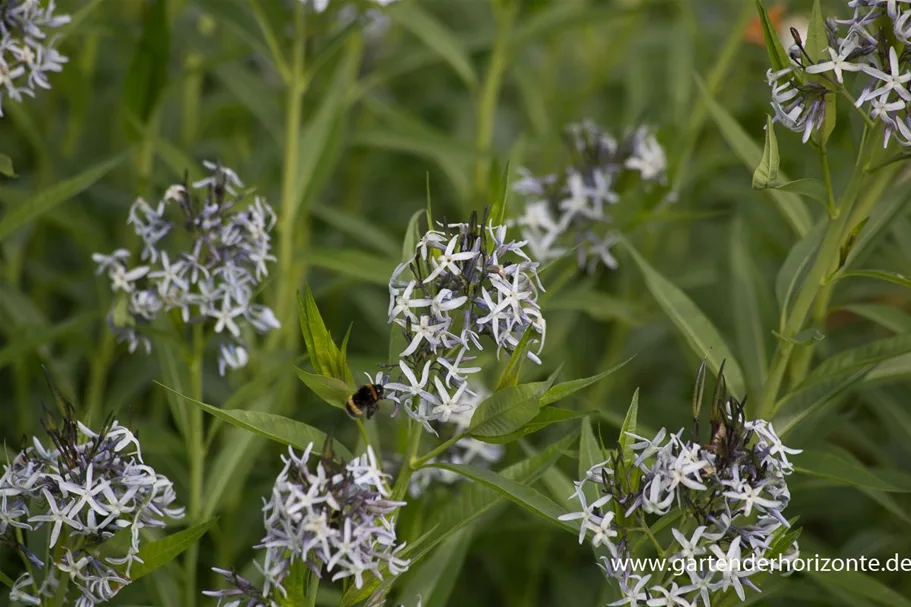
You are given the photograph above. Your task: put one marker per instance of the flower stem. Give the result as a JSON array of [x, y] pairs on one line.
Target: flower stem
[[408, 465], [490, 92], [827, 256], [289, 280], [197, 457], [831, 205], [419, 462]]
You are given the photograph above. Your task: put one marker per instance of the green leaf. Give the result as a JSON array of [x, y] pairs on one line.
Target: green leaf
[[412, 235], [848, 361], [817, 40], [749, 327], [832, 467], [46, 200], [500, 196], [316, 135], [546, 417], [358, 227], [801, 339], [791, 206], [795, 266], [881, 219], [28, 338], [471, 503], [809, 188], [629, 427], [507, 410], [568, 388], [886, 316], [295, 586], [6, 580], [245, 84], [324, 354], [524, 496], [778, 58], [360, 265], [597, 304], [893, 277], [333, 391], [437, 37], [510, 376], [434, 579], [147, 75], [274, 427], [6, 166], [590, 454], [767, 171], [161, 552], [797, 406], [699, 331]]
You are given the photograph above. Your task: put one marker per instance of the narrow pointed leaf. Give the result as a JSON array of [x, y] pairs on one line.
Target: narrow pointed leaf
[[832, 467], [767, 171], [629, 427], [568, 388], [333, 391], [271, 426], [507, 410], [526, 497], [698, 330], [161, 552], [545, 417]]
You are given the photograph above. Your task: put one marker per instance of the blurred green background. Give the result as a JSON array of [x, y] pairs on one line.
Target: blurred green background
[[437, 94]]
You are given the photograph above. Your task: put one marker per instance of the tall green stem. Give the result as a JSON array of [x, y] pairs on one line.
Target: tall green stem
[[197, 458], [289, 279], [408, 466], [490, 92], [823, 264]]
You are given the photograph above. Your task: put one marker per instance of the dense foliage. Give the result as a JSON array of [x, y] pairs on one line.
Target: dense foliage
[[353, 302]]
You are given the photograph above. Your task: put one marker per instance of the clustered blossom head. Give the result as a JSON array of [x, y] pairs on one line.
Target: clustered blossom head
[[465, 451], [574, 202], [85, 489], [335, 516], [26, 52], [465, 280], [733, 490], [874, 43], [208, 269]]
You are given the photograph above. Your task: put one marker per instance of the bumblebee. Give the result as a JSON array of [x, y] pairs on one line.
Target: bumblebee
[[365, 401]]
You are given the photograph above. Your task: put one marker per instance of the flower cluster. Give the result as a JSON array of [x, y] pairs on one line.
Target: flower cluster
[[213, 278], [464, 281], [335, 516], [465, 451], [733, 490], [858, 44], [26, 52], [85, 489], [574, 203]]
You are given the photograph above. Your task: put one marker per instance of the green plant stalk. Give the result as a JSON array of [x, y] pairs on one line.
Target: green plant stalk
[[98, 375], [826, 255], [197, 458], [192, 92], [312, 589], [716, 76], [421, 461], [287, 285], [408, 468], [490, 92], [800, 365], [831, 205]]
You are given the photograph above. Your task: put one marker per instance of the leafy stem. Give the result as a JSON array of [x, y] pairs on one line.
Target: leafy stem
[[441, 448], [196, 455]]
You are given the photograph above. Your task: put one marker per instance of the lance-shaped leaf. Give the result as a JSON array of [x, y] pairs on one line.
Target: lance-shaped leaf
[[545, 417], [161, 552], [568, 388], [832, 467], [333, 391], [276, 428], [507, 410], [526, 497], [767, 171], [700, 333], [326, 357]]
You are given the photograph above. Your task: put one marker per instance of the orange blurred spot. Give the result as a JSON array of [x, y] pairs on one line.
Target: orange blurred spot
[[754, 30]]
